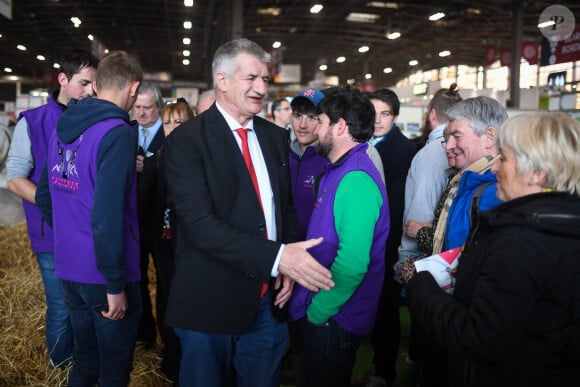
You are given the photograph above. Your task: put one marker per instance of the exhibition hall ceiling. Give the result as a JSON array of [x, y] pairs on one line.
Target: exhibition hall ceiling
[[358, 33]]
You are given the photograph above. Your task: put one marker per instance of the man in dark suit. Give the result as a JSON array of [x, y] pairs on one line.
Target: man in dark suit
[[150, 137], [231, 231]]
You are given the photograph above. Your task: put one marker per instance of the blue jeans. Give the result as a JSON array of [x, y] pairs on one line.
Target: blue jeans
[[329, 354], [59, 336], [103, 351], [249, 359]]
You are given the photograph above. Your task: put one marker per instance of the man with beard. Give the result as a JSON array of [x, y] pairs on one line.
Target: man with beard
[[351, 213]]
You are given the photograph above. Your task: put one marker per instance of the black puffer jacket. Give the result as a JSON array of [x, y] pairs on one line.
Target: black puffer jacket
[[514, 319]]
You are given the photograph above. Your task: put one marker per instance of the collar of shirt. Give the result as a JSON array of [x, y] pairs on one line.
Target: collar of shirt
[[153, 129], [437, 132], [266, 194], [375, 140], [232, 122]]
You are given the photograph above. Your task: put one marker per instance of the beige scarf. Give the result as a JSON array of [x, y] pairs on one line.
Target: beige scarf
[[480, 166]]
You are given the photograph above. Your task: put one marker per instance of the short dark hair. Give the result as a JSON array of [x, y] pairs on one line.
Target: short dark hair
[[302, 105], [77, 59], [276, 105], [389, 97], [354, 107]]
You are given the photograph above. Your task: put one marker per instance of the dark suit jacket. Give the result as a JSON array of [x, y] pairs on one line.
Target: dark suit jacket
[[222, 256], [146, 193], [396, 153]]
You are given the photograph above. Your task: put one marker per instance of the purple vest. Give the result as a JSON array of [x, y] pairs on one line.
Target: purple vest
[[357, 315], [72, 171], [303, 171], [41, 123]]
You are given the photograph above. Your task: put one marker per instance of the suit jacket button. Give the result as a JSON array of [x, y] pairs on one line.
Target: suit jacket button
[[262, 227]]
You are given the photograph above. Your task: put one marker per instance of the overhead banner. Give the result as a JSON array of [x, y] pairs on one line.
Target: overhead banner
[[490, 55], [567, 50], [531, 52], [505, 57]]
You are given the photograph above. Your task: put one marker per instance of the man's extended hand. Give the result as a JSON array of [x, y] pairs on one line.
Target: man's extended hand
[[299, 265]]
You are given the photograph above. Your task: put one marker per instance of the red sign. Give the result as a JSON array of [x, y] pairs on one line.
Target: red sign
[[567, 50], [490, 54], [531, 52], [505, 57]]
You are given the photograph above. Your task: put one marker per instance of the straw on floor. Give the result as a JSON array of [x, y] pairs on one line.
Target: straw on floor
[[23, 355]]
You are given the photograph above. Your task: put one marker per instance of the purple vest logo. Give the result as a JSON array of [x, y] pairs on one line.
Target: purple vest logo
[[66, 167], [309, 181]]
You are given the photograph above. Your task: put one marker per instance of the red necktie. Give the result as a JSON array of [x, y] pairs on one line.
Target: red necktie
[[243, 133]]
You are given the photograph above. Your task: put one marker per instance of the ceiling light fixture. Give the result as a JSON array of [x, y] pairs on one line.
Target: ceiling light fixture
[[437, 16], [91, 37], [76, 21], [444, 53], [186, 53], [188, 3], [323, 67], [547, 23], [40, 57], [187, 25], [387, 70], [55, 66], [383, 4], [393, 35], [368, 76], [340, 59], [7, 70], [359, 17], [186, 41], [276, 44], [269, 11], [413, 62], [316, 8], [363, 49], [185, 62], [21, 47]]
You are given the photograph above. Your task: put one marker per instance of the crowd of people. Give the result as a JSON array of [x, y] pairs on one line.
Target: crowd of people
[[293, 241]]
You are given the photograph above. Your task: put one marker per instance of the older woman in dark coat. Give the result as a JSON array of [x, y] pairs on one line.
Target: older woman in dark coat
[[514, 318]]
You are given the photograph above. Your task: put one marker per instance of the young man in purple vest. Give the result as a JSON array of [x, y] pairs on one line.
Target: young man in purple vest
[[88, 192], [25, 161], [351, 213], [305, 162]]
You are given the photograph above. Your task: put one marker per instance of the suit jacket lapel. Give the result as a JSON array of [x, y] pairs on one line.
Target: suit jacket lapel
[[157, 140], [272, 164]]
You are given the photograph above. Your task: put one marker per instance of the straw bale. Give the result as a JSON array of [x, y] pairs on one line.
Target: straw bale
[[23, 353]]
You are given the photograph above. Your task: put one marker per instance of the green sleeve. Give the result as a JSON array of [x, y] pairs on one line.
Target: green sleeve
[[356, 210]]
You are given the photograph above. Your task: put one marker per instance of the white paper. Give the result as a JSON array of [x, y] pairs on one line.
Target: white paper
[[440, 266]]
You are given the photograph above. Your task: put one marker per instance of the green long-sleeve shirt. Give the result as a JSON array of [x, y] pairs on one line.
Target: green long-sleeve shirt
[[356, 210]]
